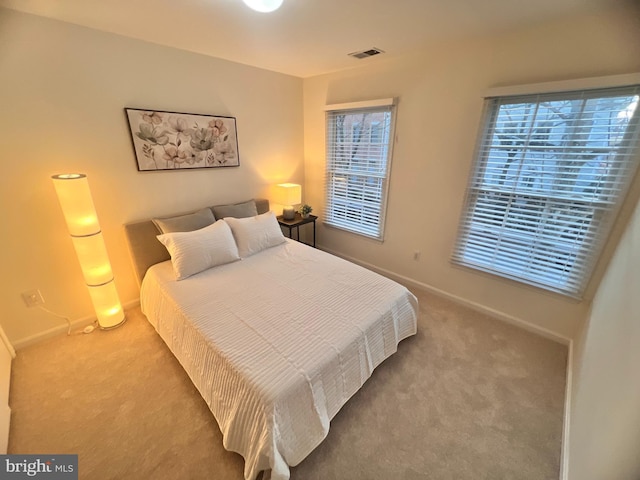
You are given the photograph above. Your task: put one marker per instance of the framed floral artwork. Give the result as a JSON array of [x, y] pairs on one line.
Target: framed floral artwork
[[178, 141]]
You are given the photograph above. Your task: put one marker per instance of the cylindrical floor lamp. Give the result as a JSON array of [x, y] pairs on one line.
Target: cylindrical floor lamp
[[82, 222]]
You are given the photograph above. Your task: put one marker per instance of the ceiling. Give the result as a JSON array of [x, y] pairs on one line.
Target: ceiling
[[304, 37]]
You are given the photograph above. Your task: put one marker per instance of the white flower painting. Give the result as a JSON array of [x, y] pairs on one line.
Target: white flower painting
[[173, 141]]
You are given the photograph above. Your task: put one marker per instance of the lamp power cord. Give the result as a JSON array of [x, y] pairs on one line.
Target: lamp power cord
[[85, 330]]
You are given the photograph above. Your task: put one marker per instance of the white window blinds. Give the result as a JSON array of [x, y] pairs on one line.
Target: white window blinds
[[550, 173], [359, 141]]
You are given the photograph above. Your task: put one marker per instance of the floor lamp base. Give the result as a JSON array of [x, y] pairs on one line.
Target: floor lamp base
[[111, 327]]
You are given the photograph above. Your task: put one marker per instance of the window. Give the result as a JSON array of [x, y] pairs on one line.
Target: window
[[356, 129], [376, 132], [550, 173], [359, 141]]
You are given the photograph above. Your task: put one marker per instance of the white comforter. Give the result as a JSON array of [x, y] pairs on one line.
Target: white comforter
[[277, 343]]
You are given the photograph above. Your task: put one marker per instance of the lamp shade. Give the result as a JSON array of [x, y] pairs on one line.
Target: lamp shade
[[288, 194], [80, 215], [94, 259], [107, 305], [77, 204]]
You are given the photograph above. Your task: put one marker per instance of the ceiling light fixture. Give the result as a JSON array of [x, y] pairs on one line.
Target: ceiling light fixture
[[263, 5]]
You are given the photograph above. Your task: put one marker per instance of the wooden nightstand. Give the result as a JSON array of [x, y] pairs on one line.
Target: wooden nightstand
[[296, 222]]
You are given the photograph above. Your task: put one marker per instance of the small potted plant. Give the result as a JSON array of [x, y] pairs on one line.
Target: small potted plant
[[305, 210]]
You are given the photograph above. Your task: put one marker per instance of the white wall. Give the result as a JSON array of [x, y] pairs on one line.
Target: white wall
[[604, 440], [62, 93], [439, 91]]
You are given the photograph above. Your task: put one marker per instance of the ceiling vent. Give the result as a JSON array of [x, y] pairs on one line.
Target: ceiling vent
[[366, 53]]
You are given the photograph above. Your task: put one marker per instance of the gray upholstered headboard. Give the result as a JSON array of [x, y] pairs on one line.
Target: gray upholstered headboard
[[146, 250]]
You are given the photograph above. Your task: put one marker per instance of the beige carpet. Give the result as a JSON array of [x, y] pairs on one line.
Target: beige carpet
[[469, 397]]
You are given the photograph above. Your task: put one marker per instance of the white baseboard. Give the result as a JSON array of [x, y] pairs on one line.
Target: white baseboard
[[6, 358], [62, 328], [462, 301], [564, 454]]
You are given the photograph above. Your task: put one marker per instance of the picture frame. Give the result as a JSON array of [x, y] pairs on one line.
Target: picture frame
[[165, 140]]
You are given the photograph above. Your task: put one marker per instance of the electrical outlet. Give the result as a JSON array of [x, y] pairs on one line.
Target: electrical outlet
[[32, 298], [416, 255]]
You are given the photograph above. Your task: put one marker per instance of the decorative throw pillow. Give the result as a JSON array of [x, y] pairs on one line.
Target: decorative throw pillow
[[238, 210], [185, 223], [199, 250], [255, 234]]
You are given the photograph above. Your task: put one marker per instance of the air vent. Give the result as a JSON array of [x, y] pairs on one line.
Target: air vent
[[366, 53]]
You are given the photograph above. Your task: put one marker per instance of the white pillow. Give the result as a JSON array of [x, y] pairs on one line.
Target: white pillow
[[196, 251], [254, 234]]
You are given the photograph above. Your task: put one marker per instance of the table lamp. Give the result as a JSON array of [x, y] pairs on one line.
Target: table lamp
[[288, 195]]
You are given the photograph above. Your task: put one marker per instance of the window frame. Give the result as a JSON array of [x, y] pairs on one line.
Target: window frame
[[374, 106], [481, 160]]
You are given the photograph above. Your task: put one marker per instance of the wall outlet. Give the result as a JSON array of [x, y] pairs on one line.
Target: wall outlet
[[416, 255], [32, 298]]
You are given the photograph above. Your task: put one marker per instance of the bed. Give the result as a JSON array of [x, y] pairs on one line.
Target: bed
[[277, 339]]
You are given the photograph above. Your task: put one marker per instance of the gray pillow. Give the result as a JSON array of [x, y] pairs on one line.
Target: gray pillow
[[185, 223], [238, 210]]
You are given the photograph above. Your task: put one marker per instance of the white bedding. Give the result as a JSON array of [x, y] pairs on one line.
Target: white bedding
[[277, 343]]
